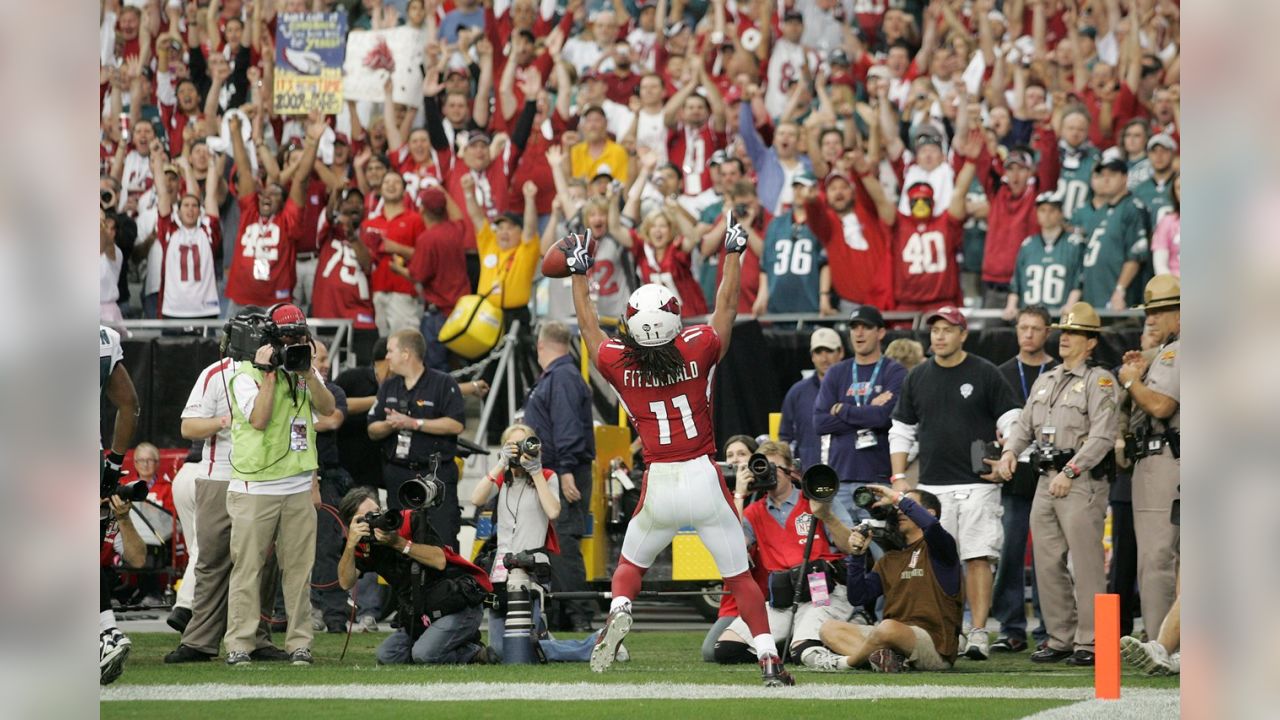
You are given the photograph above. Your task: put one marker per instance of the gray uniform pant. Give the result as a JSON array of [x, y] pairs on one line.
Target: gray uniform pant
[[213, 573], [1155, 485], [1069, 525]]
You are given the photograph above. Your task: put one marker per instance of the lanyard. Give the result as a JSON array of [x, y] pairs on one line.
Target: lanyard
[[860, 400], [1022, 375]]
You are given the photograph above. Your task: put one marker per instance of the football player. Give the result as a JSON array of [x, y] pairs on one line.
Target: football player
[[663, 376]]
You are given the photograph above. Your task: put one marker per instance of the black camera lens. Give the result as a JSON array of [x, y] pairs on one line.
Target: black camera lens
[[531, 446], [863, 497]]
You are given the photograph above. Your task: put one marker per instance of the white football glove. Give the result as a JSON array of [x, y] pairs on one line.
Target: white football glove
[[577, 256], [735, 238]]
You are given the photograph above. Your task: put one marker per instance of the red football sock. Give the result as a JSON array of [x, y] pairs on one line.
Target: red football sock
[[750, 602], [626, 580]]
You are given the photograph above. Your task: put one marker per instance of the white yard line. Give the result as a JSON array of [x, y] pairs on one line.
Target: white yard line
[[1139, 698]]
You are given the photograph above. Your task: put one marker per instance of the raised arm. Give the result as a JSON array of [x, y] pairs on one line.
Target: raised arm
[[395, 138], [969, 149], [474, 211], [726, 311], [588, 321], [245, 182], [480, 108], [297, 190]]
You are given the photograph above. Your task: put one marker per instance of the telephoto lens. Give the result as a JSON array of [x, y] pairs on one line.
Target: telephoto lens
[[384, 521]]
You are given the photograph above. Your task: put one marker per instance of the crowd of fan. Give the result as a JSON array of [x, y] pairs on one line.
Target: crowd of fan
[[887, 152]]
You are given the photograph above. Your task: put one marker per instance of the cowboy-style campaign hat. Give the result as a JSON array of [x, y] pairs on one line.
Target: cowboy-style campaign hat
[[1162, 291], [1080, 317]]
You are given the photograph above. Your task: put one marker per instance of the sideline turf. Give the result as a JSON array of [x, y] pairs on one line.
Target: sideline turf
[[657, 657], [988, 709]]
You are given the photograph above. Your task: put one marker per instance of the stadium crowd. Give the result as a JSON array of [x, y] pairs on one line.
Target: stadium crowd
[[879, 154]]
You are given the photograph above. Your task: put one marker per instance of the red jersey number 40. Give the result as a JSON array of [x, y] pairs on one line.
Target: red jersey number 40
[[680, 404]]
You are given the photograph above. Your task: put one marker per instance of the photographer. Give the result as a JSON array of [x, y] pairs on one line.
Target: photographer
[[273, 494], [524, 526], [1070, 422], [427, 579], [921, 584], [417, 417], [777, 527]]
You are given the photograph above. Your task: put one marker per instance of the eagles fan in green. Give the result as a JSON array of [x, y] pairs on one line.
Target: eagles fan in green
[[1047, 270], [1077, 157], [1114, 225], [1155, 192]]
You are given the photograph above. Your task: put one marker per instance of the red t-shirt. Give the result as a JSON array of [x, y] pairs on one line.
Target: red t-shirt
[[1011, 221], [491, 192], [925, 271], [857, 248], [674, 420], [440, 264], [674, 270], [264, 267], [314, 201], [1123, 109], [342, 289], [403, 229]]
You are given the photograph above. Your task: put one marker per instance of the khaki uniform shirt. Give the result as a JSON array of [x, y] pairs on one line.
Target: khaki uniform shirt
[[1079, 405], [1162, 377]]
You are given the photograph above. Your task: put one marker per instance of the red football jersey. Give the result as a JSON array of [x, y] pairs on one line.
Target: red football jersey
[[674, 271], [403, 229], [264, 266], [342, 289], [924, 260], [674, 419]]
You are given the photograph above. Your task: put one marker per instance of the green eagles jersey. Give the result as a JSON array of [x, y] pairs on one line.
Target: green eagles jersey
[[1073, 180], [1158, 197], [1114, 234], [793, 258], [1045, 272], [975, 234]]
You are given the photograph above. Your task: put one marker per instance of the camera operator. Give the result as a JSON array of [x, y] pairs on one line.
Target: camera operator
[[418, 416], [1155, 429], [207, 417], [334, 481], [1070, 422], [777, 526], [559, 412], [921, 584], [427, 579], [528, 505], [115, 383], [273, 494]]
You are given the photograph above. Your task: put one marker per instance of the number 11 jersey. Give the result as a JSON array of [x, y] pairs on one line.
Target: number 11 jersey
[[925, 270], [672, 415]]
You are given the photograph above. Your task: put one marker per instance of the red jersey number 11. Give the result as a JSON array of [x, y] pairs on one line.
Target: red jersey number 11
[[659, 410]]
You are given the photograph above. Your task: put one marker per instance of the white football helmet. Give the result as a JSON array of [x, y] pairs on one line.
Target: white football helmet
[[653, 315]]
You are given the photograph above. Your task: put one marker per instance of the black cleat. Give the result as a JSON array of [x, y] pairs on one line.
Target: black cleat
[[186, 654], [772, 672], [1049, 655]]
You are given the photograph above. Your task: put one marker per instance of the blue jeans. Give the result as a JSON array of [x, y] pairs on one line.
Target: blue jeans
[[554, 650], [447, 641], [1008, 602], [437, 354]]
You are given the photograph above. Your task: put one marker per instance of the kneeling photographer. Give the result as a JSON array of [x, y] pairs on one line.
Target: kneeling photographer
[[273, 494], [528, 504], [438, 594], [799, 540], [922, 588]]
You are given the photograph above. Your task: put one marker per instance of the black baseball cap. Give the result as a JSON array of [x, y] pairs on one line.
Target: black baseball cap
[[868, 315]]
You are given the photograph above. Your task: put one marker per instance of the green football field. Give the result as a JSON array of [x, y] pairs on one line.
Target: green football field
[[664, 679]]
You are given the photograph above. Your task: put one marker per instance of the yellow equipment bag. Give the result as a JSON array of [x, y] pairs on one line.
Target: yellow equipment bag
[[473, 328]]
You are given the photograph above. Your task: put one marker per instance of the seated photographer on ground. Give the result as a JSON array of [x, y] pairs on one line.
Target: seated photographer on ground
[[777, 528], [426, 577], [922, 587], [528, 503]]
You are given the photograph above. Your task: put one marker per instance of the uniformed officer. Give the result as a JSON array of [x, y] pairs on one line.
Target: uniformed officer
[[1155, 426], [1070, 424]]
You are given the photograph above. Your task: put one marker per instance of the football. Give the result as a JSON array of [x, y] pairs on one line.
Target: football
[[554, 263]]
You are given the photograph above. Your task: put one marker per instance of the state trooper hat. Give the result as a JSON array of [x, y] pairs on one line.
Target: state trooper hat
[[1080, 317], [1162, 291]]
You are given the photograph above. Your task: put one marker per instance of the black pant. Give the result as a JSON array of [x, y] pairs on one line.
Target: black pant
[[106, 583], [445, 517], [326, 594], [1123, 576], [568, 571]]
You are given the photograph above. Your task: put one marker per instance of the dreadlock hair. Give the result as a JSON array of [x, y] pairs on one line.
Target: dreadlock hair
[[660, 364]]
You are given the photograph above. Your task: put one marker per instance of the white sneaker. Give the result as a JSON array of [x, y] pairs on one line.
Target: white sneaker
[[365, 624], [1175, 663], [979, 645], [1149, 657], [317, 620], [821, 659], [606, 649], [113, 650]]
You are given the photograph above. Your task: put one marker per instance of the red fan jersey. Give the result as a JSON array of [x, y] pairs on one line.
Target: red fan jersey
[[264, 267], [342, 289], [674, 271], [404, 229], [925, 271], [673, 416]]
